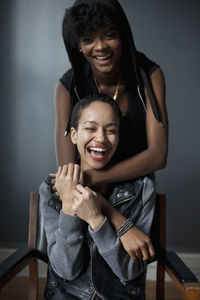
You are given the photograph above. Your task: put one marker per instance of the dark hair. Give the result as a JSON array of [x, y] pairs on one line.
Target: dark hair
[[84, 102], [83, 18]]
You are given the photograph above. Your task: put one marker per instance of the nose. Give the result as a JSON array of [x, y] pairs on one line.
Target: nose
[[100, 136], [100, 44]]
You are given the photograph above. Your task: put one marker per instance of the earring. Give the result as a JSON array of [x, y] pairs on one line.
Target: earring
[[80, 50]]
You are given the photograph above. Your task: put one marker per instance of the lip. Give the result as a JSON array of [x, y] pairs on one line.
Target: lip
[[103, 59], [98, 153]]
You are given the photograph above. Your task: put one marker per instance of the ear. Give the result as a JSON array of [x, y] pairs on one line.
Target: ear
[[73, 135]]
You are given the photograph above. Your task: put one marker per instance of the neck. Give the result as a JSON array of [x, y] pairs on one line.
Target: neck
[[107, 79]]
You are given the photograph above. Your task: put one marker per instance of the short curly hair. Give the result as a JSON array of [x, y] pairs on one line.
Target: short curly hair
[[85, 18], [84, 102]]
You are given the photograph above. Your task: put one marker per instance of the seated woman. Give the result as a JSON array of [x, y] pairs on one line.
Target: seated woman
[[86, 255]]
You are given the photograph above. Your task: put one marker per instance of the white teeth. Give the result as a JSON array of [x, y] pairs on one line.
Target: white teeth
[[98, 149], [102, 57]]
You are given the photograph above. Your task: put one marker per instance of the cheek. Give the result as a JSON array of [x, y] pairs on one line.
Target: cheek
[[83, 139], [86, 50], [114, 141]]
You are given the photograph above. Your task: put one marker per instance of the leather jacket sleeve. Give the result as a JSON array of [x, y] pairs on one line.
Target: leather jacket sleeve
[[109, 245], [65, 238]]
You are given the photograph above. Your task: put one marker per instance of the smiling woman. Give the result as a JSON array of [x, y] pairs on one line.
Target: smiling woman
[[85, 244], [96, 136], [103, 50]]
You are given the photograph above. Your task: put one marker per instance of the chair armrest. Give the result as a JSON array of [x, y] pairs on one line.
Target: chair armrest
[[178, 268], [13, 264]]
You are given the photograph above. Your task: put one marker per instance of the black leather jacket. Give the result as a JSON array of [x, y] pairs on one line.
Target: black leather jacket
[[97, 281]]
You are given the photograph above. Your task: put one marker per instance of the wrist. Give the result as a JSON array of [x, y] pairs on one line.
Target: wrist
[[96, 222]]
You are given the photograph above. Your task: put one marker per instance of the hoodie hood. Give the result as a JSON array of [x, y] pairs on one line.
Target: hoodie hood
[[81, 67]]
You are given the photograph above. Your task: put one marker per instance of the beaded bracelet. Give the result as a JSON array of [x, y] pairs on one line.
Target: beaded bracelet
[[124, 228]]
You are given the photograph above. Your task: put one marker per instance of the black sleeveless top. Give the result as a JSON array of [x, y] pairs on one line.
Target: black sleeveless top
[[132, 139]]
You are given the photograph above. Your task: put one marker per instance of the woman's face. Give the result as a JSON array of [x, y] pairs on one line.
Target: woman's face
[[102, 48], [97, 135]]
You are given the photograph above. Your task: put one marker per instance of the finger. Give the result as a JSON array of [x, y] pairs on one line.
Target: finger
[[152, 251], [138, 254], [64, 171], [58, 173], [53, 181], [76, 174], [70, 170], [52, 175], [57, 195], [145, 254], [133, 257], [80, 188], [77, 194], [92, 192], [53, 188], [81, 177]]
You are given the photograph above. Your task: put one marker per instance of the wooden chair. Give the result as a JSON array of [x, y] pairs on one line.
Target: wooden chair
[[167, 261]]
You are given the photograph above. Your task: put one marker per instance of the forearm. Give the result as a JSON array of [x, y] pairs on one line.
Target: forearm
[[141, 164], [66, 247], [113, 215], [65, 238], [111, 249], [65, 150]]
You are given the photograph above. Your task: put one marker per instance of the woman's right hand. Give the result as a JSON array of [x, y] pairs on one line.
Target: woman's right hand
[[138, 245], [66, 180]]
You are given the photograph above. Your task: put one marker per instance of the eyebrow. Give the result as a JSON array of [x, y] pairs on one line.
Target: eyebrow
[[107, 125]]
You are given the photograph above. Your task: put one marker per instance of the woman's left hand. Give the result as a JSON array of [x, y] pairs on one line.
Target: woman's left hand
[[87, 207]]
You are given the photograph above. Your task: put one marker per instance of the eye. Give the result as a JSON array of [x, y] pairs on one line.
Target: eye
[[111, 35], [90, 128], [87, 39], [111, 131]]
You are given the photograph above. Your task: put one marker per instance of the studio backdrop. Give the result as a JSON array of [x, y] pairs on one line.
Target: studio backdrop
[[33, 58]]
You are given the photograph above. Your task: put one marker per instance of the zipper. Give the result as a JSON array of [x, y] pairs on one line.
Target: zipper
[[96, 292], [122, 201], [93, 295], [76, 92], [138, 88]]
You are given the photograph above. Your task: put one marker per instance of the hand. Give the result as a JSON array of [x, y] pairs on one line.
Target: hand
[[66, 180], [87, 207], [138, 245], [135, 242], [53, 181]]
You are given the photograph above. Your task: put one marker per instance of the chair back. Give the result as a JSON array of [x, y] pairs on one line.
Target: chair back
[[158, 229], [37, 237]]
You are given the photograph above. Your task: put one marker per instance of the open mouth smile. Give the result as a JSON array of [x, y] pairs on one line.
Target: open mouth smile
[[103, 59], [97, 153]]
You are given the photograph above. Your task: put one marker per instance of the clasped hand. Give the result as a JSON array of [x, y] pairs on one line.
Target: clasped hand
[[91, 207], [77, 199]]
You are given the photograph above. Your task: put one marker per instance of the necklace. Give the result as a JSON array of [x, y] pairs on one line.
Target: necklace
[[116, 90]]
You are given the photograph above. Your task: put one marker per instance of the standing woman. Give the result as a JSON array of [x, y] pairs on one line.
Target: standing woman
[[104, 59]]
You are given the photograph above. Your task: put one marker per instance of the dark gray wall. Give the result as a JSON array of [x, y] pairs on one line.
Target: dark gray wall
[[33, 58]]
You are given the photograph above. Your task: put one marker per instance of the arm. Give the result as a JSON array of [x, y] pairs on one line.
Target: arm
[[109, 245], [65, 238], [136, 243], [155, 156], [65, 150]]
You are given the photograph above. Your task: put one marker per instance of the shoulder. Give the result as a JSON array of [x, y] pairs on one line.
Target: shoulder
[[66, 79], [145, 63], [157, 81]]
